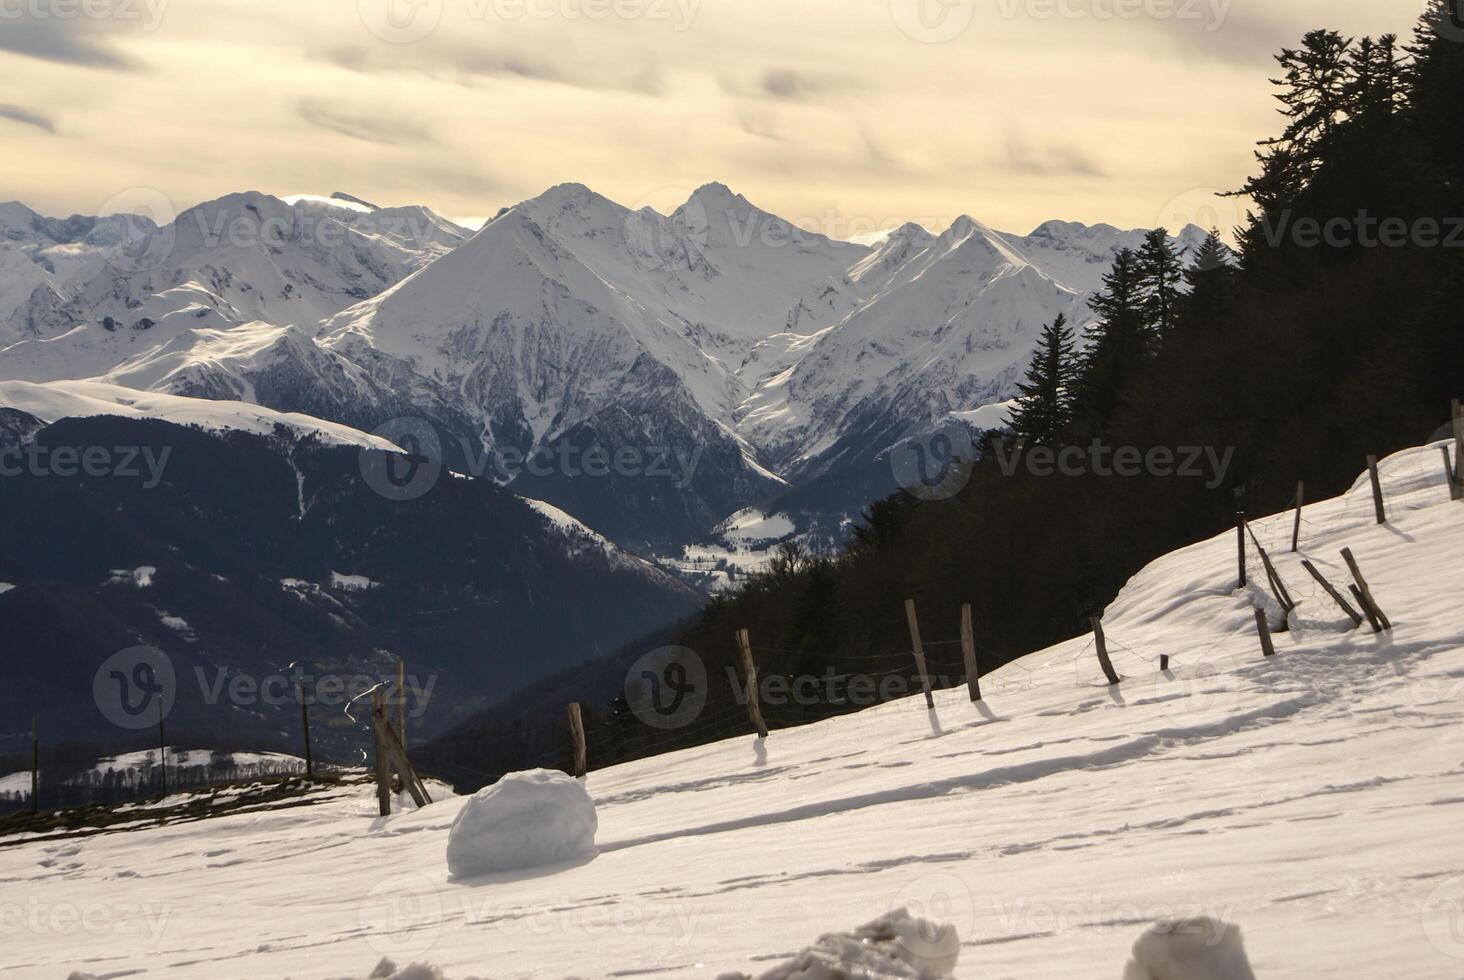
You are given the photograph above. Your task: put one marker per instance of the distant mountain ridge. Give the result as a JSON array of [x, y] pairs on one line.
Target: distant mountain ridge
[[780, 358]]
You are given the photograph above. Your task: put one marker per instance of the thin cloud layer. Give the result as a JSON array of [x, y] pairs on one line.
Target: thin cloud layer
[[28, 117], [850, 112], [80, 43], [367, 126]]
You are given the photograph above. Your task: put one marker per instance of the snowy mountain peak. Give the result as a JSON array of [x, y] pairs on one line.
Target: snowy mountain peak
[[1064, 230], [963, 227]]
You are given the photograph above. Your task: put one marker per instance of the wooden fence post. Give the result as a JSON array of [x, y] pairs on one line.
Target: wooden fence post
[[580, 754], [919, 651], [968, 653], [1240, 543], [162, 746], [1163, 661], [1278, 587], [1453, 476], [1370, 605], [1102, 644], [1264, 628], [383, 764], [1458, 419], [749, 673], [1377, 489], [35, 765], [1300, 503], [401, 691], [392, 757], [305, 729], [1372, 616], [1352, 614]]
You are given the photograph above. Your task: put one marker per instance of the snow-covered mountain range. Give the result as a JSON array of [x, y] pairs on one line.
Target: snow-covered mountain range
[[720, 356]]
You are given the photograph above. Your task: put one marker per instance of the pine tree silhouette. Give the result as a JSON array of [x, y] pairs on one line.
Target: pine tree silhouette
[[1045, 407]]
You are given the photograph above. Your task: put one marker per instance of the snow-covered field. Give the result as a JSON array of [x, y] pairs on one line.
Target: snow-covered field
[[1315, 799]]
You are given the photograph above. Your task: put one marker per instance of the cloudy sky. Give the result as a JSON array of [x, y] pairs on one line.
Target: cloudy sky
[[843, 115]]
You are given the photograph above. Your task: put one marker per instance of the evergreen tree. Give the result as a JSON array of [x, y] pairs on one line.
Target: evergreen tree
[[1045, 407], [1314, 92], [1375, 83], [1211, 283], [1160, 275], [1433, 81], [1119, 344]]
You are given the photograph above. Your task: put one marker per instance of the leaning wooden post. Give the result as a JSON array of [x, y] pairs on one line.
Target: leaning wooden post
[[1369, 603], [1377, 489], [919, 651], [749, 674], [1452, 476], [1264, 628], [1240, 543], [401, 692], [1372, 616], [1278, 587], [382, 757], [968, 653], [1352, 614], [35, 765], [1296, 526], [580, 757], [1102, 645]]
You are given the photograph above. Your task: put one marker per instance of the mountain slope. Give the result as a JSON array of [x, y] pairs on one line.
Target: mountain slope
[[243, 540], [1310, 799]]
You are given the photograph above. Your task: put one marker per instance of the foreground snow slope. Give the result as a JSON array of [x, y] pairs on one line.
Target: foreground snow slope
[[1314, 799]]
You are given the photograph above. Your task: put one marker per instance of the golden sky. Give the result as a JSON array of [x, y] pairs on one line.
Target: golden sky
[[842, 115]]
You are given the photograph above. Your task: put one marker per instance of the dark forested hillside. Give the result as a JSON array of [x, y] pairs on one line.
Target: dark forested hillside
[[255, 553]]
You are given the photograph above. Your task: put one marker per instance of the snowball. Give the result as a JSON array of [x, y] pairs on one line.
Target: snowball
[[1201, 948], [893, 946], [525, 820]]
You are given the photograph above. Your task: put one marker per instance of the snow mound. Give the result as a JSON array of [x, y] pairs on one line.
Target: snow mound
[[1200, 948], [525, 820], [894, 945]]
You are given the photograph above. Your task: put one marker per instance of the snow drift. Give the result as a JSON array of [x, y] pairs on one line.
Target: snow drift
[[525, 820], [894, 945], [1200, 948]]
